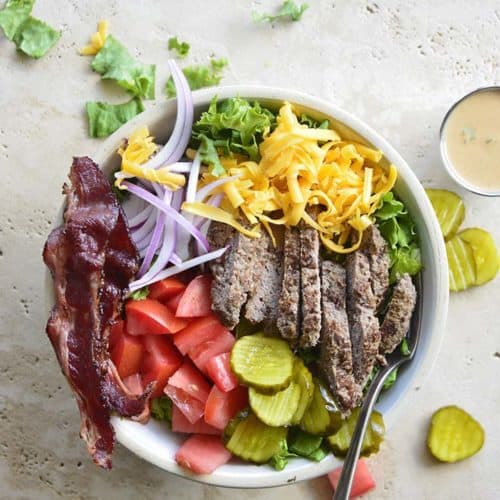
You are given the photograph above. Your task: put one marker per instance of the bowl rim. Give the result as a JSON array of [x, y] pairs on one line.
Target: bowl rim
[[127, 431]]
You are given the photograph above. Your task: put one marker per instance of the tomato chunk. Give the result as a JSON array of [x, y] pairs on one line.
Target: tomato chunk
[[191, 408], [222, 406], [363, 480], [189, 379], [202, 454], [134, 384], [173, 302], [150, 317], [210, 348], [165, 289], [161, 361], [196, 300], [219, 371], [115, 333], [198, 331], [127, 355], [181, 424]]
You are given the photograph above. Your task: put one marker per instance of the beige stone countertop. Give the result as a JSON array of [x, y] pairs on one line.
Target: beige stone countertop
[[398, 65]]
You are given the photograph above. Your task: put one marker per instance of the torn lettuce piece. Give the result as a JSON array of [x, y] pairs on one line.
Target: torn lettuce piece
[[140, 294], [105, 118], [209, 156], [289, 11], [113, 62], [181, 48], [200, 76], [280, 459], [312, 123], [161, 409], [13, 15]]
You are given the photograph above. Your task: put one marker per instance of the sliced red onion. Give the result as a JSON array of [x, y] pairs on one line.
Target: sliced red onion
[[131, 207], [164, 207], [175, 259], [173, 270], [141, 217], [193, 179], [145, 230], [206, 190], [181, 167]]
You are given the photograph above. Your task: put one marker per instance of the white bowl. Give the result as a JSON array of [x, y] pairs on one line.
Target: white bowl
[[153, 442]]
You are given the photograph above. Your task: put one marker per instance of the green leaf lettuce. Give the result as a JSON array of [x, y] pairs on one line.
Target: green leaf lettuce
[[288, 11], [182, 48]]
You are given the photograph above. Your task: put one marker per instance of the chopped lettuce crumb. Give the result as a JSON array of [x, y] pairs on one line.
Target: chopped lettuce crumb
[[289, 11], [200, 76], [389, 381], [404, 347], [140, 294], [105, 118], [113, 62], [303, 443], [312, 123], [182, 48], [31, 36], [280, 459], [161, 409]]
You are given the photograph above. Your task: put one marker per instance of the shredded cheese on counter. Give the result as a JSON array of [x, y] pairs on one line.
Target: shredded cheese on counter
[[96, 40], [301, 168]]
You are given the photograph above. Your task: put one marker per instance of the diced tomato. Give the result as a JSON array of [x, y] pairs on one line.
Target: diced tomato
[[115, 333], [134, 384], [173, 302], [363, 480], [150, 317], [196, 301], [181, 424], [202, 454], [206, 350], [190, 380], [198, 331], [191, 408], [221, 406], [219, 371], [127, 355], [161, 361], [165, 289]]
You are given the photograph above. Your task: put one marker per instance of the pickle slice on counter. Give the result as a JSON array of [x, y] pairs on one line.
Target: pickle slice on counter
[[449, 208], [485, 253], [461, 264], [264, 363], [340, 441], [317, 420], [303, 378], [454, 435], [255, 441], [276, 409]]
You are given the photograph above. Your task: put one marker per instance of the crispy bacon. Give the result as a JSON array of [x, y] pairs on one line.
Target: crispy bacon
[[92, 259]]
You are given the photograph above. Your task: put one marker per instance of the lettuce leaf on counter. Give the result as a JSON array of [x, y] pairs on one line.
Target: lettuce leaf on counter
[[200, 76], [182, 48], [288, 11], [105, 118], [30, 35], [114, 62]]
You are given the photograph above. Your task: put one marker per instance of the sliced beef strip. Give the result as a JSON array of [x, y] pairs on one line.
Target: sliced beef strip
[[310, 287], [363, 324], [336, 349], [375, 248], [398, 316], [288, 320]]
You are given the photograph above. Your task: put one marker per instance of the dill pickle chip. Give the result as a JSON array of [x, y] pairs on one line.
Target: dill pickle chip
[[461, 264], [485, 253], [255, 441], [303, 378], [449, 208], [264, 363], [276, 409], [340, 441], [454, 435]]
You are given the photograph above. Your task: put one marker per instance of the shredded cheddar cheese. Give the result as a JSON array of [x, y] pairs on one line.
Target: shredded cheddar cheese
[[137, 150], [301, 168], [96, 40]]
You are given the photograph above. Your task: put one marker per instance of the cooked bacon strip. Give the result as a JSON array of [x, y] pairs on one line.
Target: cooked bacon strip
[[92, 260]]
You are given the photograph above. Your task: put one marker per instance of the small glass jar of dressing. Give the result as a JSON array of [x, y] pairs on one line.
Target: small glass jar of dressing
[[470, 141]]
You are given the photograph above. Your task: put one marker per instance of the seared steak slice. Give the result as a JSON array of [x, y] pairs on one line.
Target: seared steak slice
[[310, 286], [288, 320], [398, 316], [363, 324], [336, 349], [375, 248]]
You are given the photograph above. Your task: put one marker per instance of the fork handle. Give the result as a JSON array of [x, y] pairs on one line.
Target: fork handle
[[343, 488]]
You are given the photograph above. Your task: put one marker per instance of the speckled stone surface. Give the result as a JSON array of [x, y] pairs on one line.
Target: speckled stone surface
[[398, 65]]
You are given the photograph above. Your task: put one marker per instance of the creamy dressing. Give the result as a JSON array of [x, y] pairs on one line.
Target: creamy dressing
[[472, 140]]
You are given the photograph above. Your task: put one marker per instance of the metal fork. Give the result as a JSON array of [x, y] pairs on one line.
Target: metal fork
[[394, 360]]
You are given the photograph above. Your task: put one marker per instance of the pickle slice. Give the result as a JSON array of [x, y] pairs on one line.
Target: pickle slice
[[265, 363], [276, 409], [317, 420], [255, 441], [449, 208], [303, 378], [340, 441], [454, 435], [461, 264], [484, 251]]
